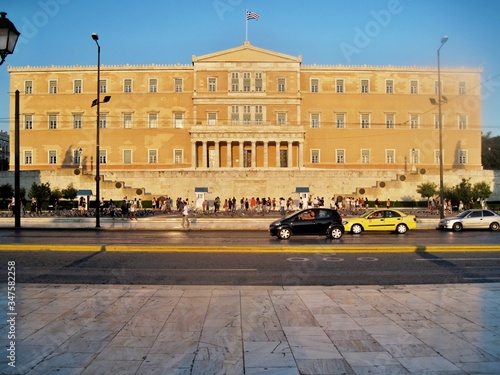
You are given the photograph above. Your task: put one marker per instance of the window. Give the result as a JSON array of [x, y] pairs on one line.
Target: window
[[246, 82], [77, 121], [52, 157], [462, 122], [340, 156], [281, 85], [281, 118], [178, 156], [414, 156], [127, 85], [178, 120], [365, 121], [258, 82], [365, 86], [462, 157], [246, 115], [314, 156], [462, 88], [340, 120], [390, 156], [153, 121], [178, 85], [127, 156], [315, 120], [212, 84], [103, 86], [77, 156], [52, 87], [413, 87], [389, 120], [153, 85], [28, 87], [212, 118], [340, 85], [153, 156], [52, 121], [103, 121], [103, 156], [436, 121], [389, 86], [259, 117], [127, 120], [314, 85], [77, 86], [235, 82], [28, 122], [437, 155], [365, 156], [28, 157], [414, 121], [235, 115]]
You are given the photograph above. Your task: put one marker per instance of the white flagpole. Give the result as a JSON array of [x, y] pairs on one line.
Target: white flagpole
[[246, 26]]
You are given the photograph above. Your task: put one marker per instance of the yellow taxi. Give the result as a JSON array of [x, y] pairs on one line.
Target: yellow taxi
[[381, 220]]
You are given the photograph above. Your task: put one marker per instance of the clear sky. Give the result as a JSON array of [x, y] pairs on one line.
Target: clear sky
[[348, 32]]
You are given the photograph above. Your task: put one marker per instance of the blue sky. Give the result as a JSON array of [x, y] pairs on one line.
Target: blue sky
[[348, 32]]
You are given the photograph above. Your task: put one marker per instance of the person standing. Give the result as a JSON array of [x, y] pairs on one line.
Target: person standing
[[185, 214], [388, 205], [124, 208]]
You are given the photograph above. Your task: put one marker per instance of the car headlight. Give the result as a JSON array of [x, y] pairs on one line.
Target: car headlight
[[345, 222]]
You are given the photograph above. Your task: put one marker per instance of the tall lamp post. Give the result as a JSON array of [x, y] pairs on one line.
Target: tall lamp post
[[8, 41], [97, 103], [444, 39]]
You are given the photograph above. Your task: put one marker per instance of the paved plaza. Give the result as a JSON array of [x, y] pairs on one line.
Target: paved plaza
[[123, 329]]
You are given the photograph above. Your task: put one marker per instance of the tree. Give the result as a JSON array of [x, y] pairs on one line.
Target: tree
[[427, 190], [481, 190], [490, 151], [6, 191], [41, 192], [70, 192]]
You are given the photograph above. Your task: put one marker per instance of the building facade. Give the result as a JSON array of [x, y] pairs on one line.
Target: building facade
[[247, 111]]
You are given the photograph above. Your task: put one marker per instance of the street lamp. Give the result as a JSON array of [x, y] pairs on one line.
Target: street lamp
[[97, 102], [8, 37], [444, 39]]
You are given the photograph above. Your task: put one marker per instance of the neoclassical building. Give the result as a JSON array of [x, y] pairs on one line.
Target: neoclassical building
[[247, 119]]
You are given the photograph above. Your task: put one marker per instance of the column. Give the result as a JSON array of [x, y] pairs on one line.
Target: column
[[277, 154], [229, 162], [254, 154], [301, 154], [204, 156], [217, 157], [290, 155], [241, 145], [194, 157], [266, 154]]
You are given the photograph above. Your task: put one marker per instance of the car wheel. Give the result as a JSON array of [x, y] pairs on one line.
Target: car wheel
[[457, 227], [401, 229], [336, 233], [284, 233], [494, 226], [356, 229]]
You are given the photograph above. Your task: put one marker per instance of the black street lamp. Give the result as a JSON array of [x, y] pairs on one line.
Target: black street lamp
[[444, 39], [8, 37], [97, 103]]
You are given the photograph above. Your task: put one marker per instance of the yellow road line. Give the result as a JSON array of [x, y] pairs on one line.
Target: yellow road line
[[250, 249]]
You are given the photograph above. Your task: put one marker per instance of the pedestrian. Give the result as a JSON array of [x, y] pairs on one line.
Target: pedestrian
[[388, 204], [112, 209], [282, 206], [124, 208], [185, 214], [133, 209]]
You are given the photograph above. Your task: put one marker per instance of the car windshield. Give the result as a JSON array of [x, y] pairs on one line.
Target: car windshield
[[464, 214], [365, 215]]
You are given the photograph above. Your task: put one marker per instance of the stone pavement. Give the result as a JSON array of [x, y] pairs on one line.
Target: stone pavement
[[123, 329]]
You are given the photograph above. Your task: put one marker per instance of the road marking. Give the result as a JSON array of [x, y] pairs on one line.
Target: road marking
[[448, 259], [481, 278]]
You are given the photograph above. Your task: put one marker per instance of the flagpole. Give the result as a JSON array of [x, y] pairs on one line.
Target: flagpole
[[246, 26]]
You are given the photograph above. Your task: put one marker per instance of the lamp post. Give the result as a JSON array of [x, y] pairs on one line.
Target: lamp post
[[444, 39], [97, 103], [8, 41]]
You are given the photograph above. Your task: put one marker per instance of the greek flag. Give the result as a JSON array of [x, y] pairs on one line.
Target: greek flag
[[252, 15]]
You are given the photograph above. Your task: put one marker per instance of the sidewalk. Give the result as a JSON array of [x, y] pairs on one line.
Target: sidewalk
[[120, 329]]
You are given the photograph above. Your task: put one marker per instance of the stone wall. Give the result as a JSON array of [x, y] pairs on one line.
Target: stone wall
[[380, 184]]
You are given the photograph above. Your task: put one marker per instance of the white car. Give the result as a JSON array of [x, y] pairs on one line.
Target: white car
[[472, 219]]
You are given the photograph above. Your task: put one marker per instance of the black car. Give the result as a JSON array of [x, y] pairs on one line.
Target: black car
[[311, 221]]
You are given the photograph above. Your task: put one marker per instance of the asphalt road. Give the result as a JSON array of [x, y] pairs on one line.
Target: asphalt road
[[199, 258], [288, 269]]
